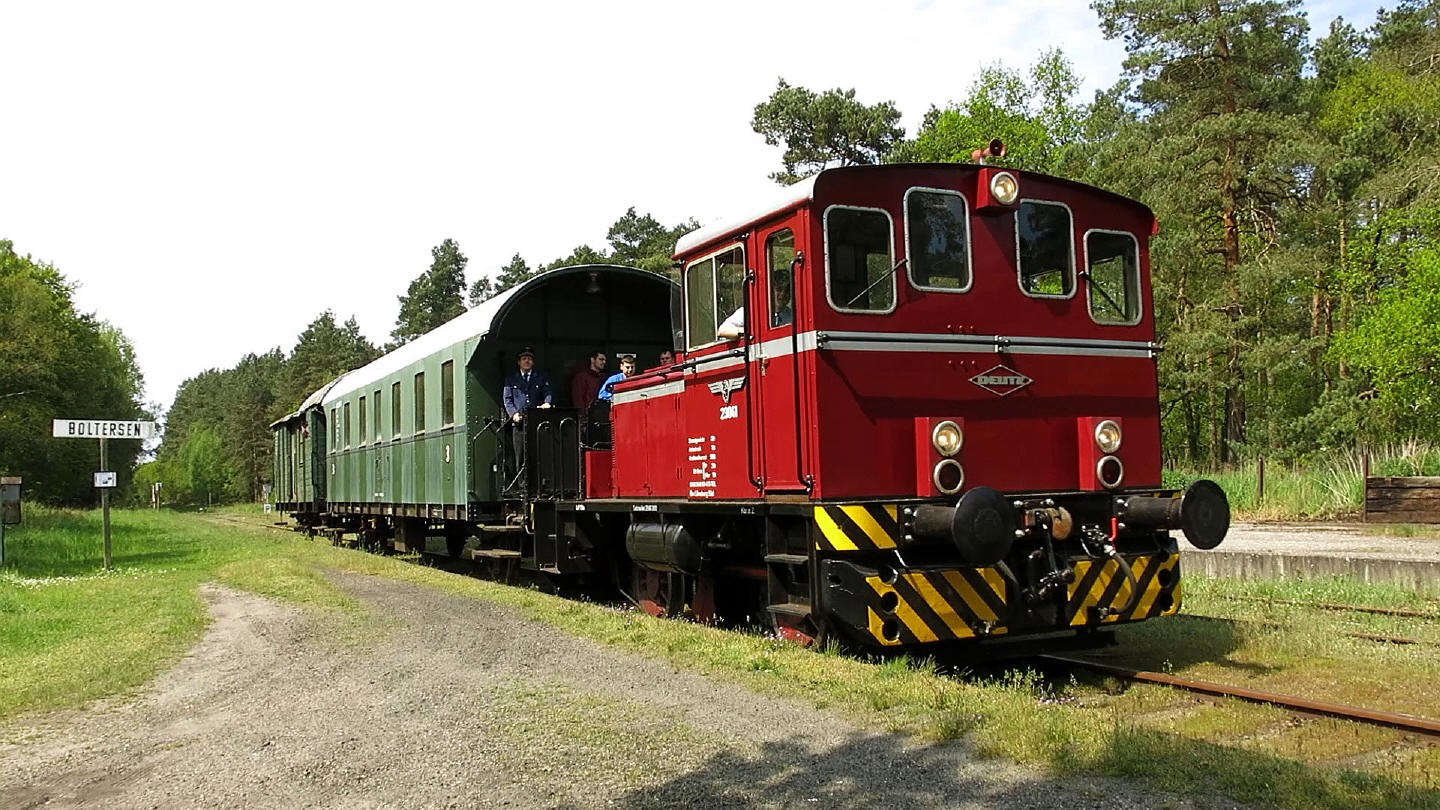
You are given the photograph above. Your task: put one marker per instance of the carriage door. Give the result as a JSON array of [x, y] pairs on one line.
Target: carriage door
[[777, 361]]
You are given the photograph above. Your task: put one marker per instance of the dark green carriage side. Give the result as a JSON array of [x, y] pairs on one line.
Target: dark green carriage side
[[300, 469], [419, 432]]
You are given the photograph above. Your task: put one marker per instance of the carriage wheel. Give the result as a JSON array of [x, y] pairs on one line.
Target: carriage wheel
[[657, 593]]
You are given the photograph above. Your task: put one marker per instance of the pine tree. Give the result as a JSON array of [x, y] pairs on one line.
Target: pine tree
[[435, 297]]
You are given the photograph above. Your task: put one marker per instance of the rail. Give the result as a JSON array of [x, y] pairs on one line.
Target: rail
[[1404, 722]]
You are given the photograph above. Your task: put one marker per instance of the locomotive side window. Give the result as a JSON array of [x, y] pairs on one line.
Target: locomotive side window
[[779, 257], [1045, 249], [447, 392], [859, 260], [712, 293], [1112, 277], [937, 233]]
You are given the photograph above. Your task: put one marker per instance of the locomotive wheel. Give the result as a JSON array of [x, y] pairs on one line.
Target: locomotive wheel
[[659, 594]]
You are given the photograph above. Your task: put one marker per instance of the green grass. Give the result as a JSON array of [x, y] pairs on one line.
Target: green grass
[[70, 634], [1322, 488]]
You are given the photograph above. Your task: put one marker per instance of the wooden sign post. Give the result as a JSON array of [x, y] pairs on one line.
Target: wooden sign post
[[103, 429]]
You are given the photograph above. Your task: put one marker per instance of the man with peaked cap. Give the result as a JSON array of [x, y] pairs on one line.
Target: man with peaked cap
[[525, 388]]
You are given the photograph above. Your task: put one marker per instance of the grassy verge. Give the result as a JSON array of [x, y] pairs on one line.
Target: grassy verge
[[1323, 488], [69, 634]]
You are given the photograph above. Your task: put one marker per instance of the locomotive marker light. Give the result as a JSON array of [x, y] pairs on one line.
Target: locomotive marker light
[[947, 438], [1004, 188], [1107, 436]]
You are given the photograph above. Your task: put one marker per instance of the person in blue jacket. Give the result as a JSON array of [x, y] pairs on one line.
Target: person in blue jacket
[[627, 368], [525, 388]]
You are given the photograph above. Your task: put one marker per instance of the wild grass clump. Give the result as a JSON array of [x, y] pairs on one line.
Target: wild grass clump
[[1325, 487]]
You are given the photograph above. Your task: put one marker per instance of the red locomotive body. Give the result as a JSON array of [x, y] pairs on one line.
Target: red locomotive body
[[914, 404], [871, 305]]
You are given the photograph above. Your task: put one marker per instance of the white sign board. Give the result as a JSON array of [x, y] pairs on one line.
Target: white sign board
[[102, 429], [105, 479]]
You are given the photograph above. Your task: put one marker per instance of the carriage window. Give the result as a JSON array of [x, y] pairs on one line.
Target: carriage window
[[713, 291], [779, 261], [1045, 249], [938, 229], [1112, 278], [420, 402], [859, 260], [377, 415], [447, 392], [364, 432], [395, 410], [347, 424], [335, 430]]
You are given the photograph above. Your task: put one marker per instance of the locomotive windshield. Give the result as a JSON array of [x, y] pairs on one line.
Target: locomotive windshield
[[938, 229], [1044, 249], [1113, 277]]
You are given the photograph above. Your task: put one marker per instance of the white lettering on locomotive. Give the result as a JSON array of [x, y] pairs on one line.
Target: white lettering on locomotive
[[729, 412]]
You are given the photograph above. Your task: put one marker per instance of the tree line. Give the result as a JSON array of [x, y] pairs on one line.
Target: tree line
[[1297, 188], [1296, 272]]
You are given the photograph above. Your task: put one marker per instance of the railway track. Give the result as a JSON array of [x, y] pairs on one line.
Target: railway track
[[1398, 640], [1404, 722], [1414, 614]]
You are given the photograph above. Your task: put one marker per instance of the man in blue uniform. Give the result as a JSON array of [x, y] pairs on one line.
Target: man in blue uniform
[[526, 388]]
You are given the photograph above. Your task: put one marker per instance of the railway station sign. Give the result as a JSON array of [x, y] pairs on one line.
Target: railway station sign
[[102, 429]]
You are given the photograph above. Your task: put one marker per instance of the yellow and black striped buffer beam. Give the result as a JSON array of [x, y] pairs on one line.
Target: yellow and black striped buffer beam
[[943, 605], [856, 527], [1100, 586]]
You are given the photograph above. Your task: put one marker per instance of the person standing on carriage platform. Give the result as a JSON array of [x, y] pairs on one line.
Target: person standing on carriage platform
[[525, 389]]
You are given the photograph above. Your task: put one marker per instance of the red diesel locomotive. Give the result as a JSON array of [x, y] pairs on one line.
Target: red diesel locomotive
[[913, 405]]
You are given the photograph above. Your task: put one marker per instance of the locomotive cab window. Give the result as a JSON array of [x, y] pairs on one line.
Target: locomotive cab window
[[937, 233], [713, 292], [1112, 277], [1045, 249], [779, 261], [859, 260]]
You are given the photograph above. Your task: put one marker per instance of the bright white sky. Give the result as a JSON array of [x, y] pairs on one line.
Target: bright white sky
[[211, 176]]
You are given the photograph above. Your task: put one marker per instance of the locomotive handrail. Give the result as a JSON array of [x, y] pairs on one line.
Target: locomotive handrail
[[796, 264], [746, 305]]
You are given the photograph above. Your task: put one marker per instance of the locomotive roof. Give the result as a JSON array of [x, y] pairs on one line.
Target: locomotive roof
[[473, 323], [804, 191]]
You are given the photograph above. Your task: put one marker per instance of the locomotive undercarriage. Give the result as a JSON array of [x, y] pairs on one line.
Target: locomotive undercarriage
[[874, 574]]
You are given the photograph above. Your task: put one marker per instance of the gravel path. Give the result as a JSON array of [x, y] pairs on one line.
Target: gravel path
[[1325, 540], [458, 703]]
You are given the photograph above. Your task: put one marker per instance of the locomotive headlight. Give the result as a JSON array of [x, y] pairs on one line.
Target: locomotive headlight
[[948, 476], [1004, 188], [947, 438], [1107, 436]]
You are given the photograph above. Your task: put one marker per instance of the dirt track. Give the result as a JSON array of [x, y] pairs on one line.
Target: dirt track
[[455, 703]]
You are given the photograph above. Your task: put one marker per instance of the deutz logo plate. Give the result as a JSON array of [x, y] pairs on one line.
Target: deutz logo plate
[[1001, 380]]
